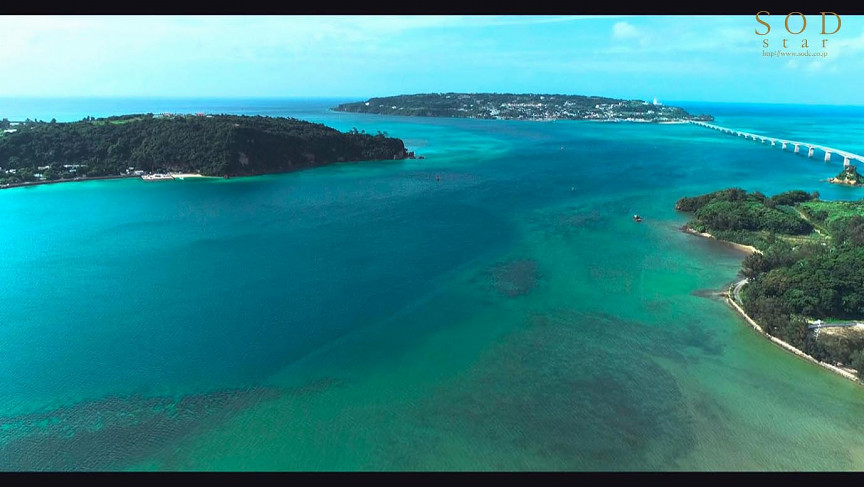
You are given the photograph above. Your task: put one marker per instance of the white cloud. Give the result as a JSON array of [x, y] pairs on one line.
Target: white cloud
[[852, 47], [815, 66], [623, 30], [275, 54]]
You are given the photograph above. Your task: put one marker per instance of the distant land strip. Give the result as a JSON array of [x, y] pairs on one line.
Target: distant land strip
[[506, 106]]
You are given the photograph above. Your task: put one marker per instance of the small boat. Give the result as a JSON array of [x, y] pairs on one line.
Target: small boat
[[637, 218], [437, 177]]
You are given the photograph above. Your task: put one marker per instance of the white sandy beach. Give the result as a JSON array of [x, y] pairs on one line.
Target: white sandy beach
[[184, 175], [749, 249]]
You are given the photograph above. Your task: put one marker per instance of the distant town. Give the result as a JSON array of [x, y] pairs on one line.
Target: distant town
[[523, 107]]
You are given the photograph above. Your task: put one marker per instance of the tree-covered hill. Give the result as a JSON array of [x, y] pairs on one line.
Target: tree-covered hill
[[212, 145], [746, 218]]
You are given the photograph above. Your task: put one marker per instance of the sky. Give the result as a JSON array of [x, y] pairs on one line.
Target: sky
[[692, 58]]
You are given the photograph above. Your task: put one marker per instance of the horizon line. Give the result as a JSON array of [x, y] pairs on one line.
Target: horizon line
[[360, 98]]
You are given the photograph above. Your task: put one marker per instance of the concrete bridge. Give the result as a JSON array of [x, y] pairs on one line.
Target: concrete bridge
[[848, 157]]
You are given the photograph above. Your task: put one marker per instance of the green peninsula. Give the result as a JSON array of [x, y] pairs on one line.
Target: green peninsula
[[805, 284], [212, 145], [507, 106]]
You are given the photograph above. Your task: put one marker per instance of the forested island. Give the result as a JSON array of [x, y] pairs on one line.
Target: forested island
[[213, 145], [805, 286], [507, 106], [849, 175]]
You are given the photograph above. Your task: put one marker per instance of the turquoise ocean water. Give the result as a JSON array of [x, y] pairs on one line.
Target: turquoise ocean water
[[510, 316]]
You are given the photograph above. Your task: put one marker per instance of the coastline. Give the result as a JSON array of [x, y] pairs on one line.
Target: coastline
[[175, 176], [57, 181], [508, 119], [592, 120], [184, 175], [170, 176], [729, 295], [784, 345], [844, 182], [747, 249]]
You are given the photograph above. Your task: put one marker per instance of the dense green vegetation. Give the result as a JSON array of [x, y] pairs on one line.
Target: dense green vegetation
[[795, 279], [213, 145], [519, 107], [748, 218]]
